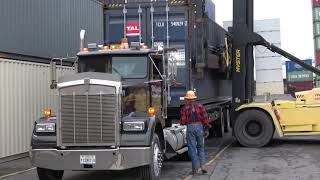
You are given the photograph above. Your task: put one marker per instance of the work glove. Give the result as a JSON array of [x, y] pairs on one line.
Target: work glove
[[206, 134]]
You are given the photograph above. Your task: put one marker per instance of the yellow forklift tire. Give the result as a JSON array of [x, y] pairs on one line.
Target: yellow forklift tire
[[253, 128]]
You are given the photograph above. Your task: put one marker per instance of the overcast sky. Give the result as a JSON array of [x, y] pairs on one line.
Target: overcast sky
[[295, 18]]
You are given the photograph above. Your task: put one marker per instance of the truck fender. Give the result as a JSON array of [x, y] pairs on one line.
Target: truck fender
[[266, 108], [156, 128]]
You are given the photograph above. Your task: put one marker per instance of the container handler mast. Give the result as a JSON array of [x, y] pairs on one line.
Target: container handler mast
[[254, 124]]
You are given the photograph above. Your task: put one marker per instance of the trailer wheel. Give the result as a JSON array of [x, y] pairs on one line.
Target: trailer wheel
[[226, 114], [48, 174], [253, 128], [153, 170], [219, 126]]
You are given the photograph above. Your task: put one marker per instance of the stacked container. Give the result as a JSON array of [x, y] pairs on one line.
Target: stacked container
[[316, 25], [298, 78]]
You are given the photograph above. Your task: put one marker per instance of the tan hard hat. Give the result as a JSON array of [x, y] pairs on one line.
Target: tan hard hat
[[190, 95]]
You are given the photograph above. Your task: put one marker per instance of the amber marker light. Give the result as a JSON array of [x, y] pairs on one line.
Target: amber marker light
[[113, 47], [151, 111], [85, 50], [47, 113]]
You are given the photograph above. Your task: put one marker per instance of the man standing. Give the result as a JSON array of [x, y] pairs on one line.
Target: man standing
[[195, 117]]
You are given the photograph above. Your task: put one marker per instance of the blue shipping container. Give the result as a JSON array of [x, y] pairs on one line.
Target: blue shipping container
[[292, 66]]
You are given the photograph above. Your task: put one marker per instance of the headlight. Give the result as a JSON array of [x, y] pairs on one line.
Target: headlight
[[133, 126], [46, 127]]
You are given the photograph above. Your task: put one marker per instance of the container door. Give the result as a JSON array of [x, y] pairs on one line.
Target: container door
[[171, 31], [117, 26]]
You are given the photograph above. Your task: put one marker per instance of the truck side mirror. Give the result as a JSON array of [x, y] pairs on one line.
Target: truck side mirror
[[53, 75]]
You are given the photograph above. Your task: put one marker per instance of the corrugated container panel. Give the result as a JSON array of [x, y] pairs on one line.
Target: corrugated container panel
[[261, 51], [317, 56], [269, 75], [318, 78], [267, 25], [316, 14], [270, 87], [292, 66], [316, 28], [272, 36], [317, 43], [316, 3], [268, 63], [301, 86], [24, 93], [299, 76], [48, 28]]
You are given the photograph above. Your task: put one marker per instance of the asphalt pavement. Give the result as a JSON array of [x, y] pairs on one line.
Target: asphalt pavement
[[285, 159]]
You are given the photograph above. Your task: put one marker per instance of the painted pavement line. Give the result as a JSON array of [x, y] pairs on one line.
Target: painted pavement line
[[16, 173], [213, 160]]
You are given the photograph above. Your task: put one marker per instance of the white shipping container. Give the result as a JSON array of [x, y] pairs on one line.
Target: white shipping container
[[267, 25], [24, 94], [269, 75], [268, 63], [269, 87], [273, 36], [261, 51]]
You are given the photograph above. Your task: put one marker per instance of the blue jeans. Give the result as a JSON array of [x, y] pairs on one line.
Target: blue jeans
[[195, 142]]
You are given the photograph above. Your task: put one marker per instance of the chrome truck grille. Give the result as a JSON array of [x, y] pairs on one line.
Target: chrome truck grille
[[88, 120]]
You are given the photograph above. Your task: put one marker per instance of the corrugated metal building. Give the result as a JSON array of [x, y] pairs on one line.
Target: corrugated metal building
[[48, 28], [24, 94]]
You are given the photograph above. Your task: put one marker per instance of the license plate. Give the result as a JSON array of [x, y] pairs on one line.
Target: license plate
[[87, 159]]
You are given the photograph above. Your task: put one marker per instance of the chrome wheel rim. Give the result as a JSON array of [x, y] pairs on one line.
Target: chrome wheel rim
[[157, 160]]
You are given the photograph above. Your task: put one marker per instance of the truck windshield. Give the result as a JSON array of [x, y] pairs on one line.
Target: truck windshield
[[128, 67]]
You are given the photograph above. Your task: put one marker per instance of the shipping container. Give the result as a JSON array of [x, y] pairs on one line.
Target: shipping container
[[24, 94], [316, 14], [170, 26], [299, 76], [315, 3], [292, 66], [48, 28], [316, 26], [269, 87], [296, 73], [300, 86], [269, 75], [318, 77], [317, 57], [268, 63], [317, 43]]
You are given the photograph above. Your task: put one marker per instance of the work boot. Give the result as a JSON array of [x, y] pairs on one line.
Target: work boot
[[195, 172], [204, 170]]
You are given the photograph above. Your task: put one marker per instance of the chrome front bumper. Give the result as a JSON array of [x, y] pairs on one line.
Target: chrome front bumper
[[106, 159]]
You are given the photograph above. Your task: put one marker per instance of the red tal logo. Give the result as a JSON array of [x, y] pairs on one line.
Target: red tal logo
[[133, 29]]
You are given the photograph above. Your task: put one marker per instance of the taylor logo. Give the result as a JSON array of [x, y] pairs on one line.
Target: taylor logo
[[133, 29]]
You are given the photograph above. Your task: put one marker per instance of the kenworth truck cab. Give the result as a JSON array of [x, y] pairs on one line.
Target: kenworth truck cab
[[111, 115]]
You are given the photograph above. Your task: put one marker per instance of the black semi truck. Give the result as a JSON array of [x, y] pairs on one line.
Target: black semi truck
[[121, 109]]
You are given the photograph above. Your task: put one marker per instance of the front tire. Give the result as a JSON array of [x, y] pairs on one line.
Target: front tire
[[253, 128], [153, 170], [48, 174]]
